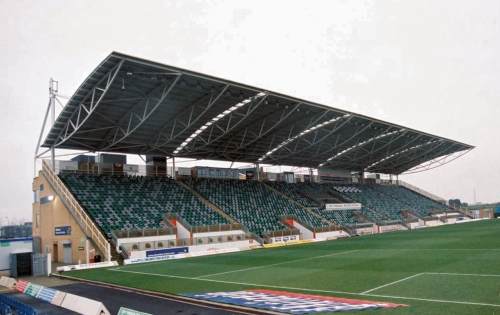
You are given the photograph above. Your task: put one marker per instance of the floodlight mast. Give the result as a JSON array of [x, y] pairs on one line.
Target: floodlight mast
[[51, 108], [53, 89]]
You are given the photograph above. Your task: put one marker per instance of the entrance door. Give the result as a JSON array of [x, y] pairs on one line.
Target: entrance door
[[67, 259], [55, 253]]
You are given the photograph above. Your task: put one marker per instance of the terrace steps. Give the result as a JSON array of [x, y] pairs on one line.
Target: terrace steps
[[300, 205], [207, 202]]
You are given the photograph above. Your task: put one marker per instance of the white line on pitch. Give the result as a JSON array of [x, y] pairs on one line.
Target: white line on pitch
[[232, 282], [308, 290], [430, 300], [391, 283], [462, 274], [277, 264]]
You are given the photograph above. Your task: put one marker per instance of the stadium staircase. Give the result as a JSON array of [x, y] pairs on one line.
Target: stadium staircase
[[326, 221], [89, 228], [313, 196], [254, 205], [207, 202]]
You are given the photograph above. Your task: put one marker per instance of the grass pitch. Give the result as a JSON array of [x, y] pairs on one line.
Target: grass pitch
[[453, 269]]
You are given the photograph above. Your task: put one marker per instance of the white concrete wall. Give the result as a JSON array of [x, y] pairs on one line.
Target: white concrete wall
[[219, 233], [242, 245], [143, 239], [200, 250], [182, 232], [367, 230], [306, 233], [433, 223], [331, 235], [392, 227], [280, 239]]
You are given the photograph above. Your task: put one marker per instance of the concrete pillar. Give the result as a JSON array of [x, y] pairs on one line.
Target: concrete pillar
[[173, 167]]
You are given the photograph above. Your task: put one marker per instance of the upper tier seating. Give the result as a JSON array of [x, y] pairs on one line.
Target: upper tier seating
[[137, 202], [372, 197], [255, 205], [296, 192], [315, 195], [391, 200], [419, 204]]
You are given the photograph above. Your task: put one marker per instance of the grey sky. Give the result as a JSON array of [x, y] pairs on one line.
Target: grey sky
[[429, 65]]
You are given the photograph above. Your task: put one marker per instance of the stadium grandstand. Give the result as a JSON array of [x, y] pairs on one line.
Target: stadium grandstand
[[103, 208]]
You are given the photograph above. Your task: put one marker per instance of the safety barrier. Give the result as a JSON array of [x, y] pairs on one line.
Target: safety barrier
[[8, 282], [65, 300]]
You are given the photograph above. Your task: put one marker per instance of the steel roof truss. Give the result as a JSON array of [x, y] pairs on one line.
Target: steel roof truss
[[236, 118], [188, 119], [136, 120], [94, 97]]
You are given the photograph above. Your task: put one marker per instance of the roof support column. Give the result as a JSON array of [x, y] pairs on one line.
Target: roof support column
[[166, 166], [257, 168], [173, 168], [53, 92]]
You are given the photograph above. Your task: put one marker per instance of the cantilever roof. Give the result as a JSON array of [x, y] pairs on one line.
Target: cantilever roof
[[137, 106]]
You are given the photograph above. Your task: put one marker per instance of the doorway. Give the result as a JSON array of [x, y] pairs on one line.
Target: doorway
[[67, 255], [55, 253]]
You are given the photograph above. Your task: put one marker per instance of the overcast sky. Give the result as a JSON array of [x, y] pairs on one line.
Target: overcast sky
[[430, 65]]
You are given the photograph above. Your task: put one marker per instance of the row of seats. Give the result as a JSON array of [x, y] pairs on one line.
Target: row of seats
[[390, 200], [296, 192], [137, 202], [316, 195], [419, 204], [346, 189], [371, 197], [341, 217], [255, 205]]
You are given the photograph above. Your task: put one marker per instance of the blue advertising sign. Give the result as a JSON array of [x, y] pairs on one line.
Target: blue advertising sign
[[167, 251], [62, 230]]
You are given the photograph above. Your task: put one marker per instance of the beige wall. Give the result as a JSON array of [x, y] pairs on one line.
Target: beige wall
[[53, 214]]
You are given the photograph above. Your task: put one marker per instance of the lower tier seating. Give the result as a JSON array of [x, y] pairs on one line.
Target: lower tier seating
[[137, 202], [255, 205]]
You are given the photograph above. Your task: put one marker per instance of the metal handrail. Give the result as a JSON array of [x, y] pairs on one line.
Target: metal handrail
[[86, 223]]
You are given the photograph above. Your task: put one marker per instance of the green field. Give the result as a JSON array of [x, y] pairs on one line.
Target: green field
[[453, 269]]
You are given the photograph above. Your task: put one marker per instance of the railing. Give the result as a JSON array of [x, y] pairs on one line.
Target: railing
[[205, 228], [319, 229], [88, 226], [143, 232], [291, 231], [158, 244]]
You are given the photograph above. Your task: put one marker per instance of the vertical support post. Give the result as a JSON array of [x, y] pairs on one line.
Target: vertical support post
[[166, 166], [173, 167], [87, 243], [311, 175], [257, 169], [53, 91]]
